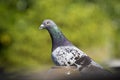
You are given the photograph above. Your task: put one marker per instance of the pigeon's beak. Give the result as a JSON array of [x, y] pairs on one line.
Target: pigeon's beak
[[41, 26]]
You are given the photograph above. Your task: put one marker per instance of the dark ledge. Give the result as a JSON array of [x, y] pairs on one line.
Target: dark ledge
[[61, 73], [72, 73]]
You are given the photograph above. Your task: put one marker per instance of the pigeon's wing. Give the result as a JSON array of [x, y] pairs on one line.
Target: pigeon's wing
[[70, 56]]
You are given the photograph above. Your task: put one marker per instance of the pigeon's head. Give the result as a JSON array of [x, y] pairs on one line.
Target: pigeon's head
[[47, 24]]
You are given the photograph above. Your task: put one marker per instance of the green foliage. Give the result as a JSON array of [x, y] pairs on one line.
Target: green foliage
[[92, 25]]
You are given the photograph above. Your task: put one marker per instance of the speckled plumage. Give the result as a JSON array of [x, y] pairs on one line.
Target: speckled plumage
[[67, 55], [64, 53]]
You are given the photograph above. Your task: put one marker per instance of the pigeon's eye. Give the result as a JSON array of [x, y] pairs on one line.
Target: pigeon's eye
[[48, 22]]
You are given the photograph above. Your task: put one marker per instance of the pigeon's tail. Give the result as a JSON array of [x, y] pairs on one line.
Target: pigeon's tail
[[86, 64], [95, 69]]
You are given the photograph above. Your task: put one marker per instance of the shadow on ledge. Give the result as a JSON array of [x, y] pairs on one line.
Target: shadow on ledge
[[59, 73]]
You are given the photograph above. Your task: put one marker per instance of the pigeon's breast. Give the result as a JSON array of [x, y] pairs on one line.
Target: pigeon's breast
[[66, 55]]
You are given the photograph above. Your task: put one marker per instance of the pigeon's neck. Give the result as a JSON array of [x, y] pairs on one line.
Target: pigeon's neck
[[58, 39]]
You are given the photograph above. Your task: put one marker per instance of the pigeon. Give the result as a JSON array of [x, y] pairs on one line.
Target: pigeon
[[64, 53]]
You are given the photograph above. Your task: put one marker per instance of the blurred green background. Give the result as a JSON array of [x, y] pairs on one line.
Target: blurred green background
[[91, 25]]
